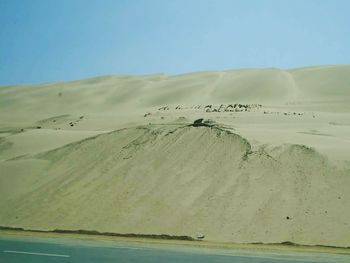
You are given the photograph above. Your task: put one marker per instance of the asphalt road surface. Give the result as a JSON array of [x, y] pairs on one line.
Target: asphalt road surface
[[15, 250]]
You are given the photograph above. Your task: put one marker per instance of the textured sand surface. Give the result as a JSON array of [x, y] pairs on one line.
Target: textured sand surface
[[119, 154]]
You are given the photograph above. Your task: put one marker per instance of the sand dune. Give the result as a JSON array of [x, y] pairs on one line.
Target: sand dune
[[120, 154]]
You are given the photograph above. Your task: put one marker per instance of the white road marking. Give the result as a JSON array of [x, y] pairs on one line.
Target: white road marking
[[135, 248], [35, 253]]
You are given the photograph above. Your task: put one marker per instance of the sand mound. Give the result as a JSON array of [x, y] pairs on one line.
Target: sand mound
[[181, 180]]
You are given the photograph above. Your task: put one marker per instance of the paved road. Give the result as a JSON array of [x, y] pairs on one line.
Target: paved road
[[15, 250]]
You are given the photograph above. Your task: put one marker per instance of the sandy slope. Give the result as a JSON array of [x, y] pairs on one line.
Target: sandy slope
[[117, 154]]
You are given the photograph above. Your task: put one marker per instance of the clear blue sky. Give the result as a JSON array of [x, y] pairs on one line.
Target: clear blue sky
[[52, 40]]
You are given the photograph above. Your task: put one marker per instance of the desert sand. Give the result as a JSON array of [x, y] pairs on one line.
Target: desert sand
[[269, 162]]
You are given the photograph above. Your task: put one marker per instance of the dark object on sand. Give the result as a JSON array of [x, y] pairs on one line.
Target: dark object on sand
[[200, 122], [38, 127], [200, 236]]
